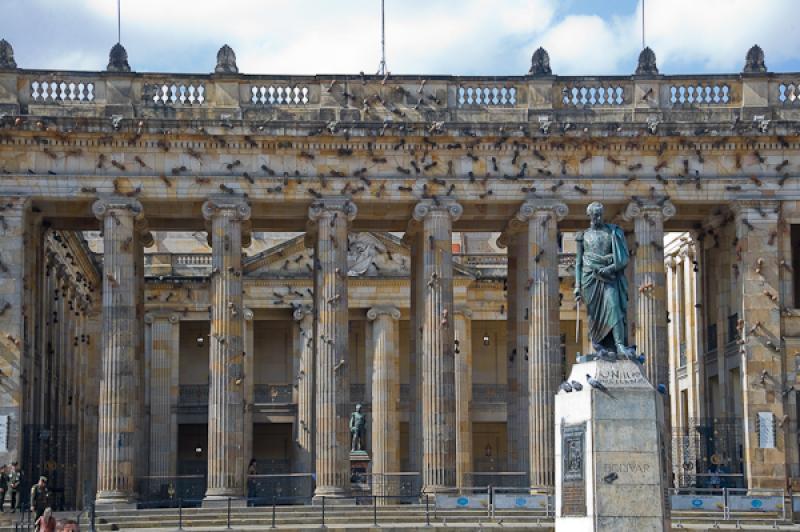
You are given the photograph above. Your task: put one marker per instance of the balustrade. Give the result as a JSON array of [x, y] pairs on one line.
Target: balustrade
[[604, 94]]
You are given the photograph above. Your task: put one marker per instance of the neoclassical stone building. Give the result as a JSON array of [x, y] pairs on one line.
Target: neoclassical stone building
[[197, 270]]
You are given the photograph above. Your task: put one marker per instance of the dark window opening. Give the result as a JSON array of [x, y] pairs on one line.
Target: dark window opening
[[795, 237]]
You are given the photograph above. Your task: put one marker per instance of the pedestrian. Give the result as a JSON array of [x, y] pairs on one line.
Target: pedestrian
[[70, 525], [3, 486], [14, 481], [46, 522], [39, 497]]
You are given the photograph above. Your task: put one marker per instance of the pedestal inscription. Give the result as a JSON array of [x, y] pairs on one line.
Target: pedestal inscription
[[573, 492]]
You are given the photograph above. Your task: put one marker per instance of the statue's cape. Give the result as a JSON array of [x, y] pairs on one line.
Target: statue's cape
[[606, 299]]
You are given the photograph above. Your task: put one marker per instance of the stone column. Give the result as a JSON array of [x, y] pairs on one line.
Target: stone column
[[538, 333], [13, 286], [249, 390], [304, 346], [121, 379], [437, 369], [760, 269], [416, 293], [463, 369], [385, 396], [164, 380], [226, 448], [650, 286], [516, 365], [329, 222]]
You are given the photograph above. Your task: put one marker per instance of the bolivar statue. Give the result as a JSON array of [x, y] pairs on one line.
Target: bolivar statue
[[600, 282]]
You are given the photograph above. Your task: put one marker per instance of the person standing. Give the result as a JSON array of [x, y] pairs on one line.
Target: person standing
[[39, 497], [46, 522], [3, 486], [14, 481]]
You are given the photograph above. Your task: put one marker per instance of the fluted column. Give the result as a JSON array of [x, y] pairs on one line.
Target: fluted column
[[329, 223], [385, 395], [249, 389], [516, 405], [761, 265], [121, 371], [435, 307], [650, 286], [463, 369], [538, 348], [304, 346], [164, 380], [226, 460]]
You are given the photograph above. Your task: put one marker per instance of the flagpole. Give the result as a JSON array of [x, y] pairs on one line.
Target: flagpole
[[119, 22]]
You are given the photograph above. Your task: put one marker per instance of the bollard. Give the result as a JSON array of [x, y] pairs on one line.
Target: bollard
[[229, 513], [375, 510], [273, 511], [323, 512], [180, 514]]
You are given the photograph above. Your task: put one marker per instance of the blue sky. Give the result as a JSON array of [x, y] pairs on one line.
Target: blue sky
[[490, 37]]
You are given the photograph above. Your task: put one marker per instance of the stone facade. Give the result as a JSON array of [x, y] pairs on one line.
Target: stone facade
[[242, 329]]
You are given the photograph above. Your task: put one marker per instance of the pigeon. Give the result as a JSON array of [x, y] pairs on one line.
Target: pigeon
[[594, 383], [662, 389], [640, 358], [576, 385], [610, 478], [566, 386]]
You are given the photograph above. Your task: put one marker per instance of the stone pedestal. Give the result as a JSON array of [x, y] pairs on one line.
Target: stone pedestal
[[609, 453]]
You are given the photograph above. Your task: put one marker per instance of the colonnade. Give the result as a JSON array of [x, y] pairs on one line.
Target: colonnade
[[440, 346]]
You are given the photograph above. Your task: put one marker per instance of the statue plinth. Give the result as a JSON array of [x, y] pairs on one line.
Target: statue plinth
[[609, 451], [359, 470]]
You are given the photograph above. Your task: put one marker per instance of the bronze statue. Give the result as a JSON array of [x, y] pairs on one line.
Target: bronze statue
[[600, 282], [358, 429]]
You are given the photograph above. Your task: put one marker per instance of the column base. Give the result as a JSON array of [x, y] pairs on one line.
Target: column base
[[432, 489], [332, 495], [115, 500], [219, 501], [219, 497]]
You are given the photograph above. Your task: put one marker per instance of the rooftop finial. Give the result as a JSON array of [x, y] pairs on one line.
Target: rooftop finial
[[118, 59], [754, 62], [540, 63], [7, 56], [647, 63], [226, 61]]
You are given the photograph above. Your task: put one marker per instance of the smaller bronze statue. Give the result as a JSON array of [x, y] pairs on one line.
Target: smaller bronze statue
[[358, 429]]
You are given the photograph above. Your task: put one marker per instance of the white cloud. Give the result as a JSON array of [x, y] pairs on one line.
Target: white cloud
[[489, 37]]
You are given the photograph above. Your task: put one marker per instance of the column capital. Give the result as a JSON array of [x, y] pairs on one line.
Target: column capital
[[755, 209], [544, 207], [151, 317], [529, 210], [113, 205], [649, 208], [334, 204], [463, 310], [301, 312], [428, 206], [671, 261], [230, 206], [15, 203], [383, 310]]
